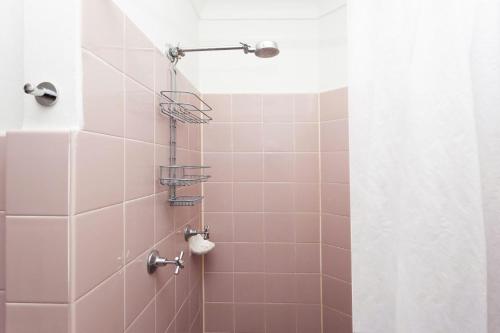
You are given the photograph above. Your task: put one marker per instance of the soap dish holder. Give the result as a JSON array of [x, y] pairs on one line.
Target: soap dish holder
[[190, 232]]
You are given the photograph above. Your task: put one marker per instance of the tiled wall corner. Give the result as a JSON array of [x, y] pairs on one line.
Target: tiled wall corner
[[120, 210], [335, 242], [262, 205]]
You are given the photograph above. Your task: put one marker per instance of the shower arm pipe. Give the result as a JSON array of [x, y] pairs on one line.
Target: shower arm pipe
[[177, 52]]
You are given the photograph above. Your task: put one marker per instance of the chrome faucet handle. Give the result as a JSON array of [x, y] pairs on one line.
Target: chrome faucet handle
[[155, 260], [179, 262]]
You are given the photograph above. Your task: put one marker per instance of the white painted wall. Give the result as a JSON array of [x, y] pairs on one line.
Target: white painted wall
[[167, 21], [295, 69], [333, 49], [39, 43], [11, 64]]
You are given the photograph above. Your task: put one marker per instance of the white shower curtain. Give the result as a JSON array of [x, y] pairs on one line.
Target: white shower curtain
[[424, 95]]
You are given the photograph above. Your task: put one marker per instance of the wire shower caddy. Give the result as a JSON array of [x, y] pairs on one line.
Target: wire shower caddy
[[186, 107]]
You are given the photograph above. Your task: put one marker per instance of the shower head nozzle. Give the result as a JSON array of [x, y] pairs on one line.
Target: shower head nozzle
[[266, 49]]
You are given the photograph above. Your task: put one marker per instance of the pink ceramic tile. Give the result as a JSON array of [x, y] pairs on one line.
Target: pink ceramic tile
[[306, 197], [335, 167], [145, 322], [335, 199], [306, 108], [278, 318], [218, 287], [139, 288], [307, 258], [165, 307], [247, 108], [277, 108], [248, 257], [103, 30], [218, 197], [247, 137], [139, 55], [164, 219], [40, 318], [335, 136], [306, 167], [279, 227], [279, 167], [306, 138], [162, 72], [139, 112], [219, 317], [182, 135], [217, 137], [337, 263], [139, 226], [220, 259], [309, 319], [46, 278], [249, 287], [278, 137], [162, 124], [336, 231], [101, 310], [221, 104], [334, 321], [2, 311], [337, 294], [3, 146], [182, 323], [97, 242], [280, 258], [308, 288], [278, 197], [333, 104], [97, 171], [221, 166], [40, 158], [247, 197], [248, 227], [307, 227], [139, 169], [2, 252], [195, 138], [248, 167], [103, 91], [161, 159], [221, 226], [249, 318]]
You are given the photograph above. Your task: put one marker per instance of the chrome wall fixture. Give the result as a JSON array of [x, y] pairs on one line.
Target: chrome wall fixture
[[189, 232], [45, 93], [155, 261], [263, 49]]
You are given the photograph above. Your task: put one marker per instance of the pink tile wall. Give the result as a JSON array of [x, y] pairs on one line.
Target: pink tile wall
[[262, 205], [120, 211], [2, 233], [335, 224], [88, 205]]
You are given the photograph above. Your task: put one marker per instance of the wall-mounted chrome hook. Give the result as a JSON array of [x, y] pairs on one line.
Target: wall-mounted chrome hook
[[189, 232], [45, 93], [155, 261]]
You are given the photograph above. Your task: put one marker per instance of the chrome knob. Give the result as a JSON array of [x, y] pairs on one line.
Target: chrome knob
[[45, 93], [155, 260]]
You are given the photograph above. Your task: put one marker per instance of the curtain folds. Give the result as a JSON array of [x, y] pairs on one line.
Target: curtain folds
[[424, 104]]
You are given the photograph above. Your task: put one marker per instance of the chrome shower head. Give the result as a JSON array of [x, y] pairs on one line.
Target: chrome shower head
[[266, 49]]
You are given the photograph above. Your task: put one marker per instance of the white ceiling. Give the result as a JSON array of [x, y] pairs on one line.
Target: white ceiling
[[264, 9]]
